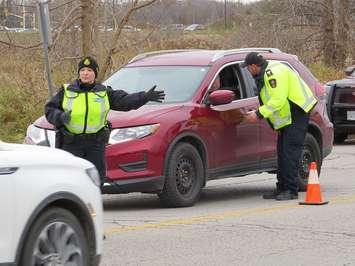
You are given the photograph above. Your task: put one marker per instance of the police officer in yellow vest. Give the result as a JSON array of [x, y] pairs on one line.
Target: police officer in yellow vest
[[79, 113], [285, 101]]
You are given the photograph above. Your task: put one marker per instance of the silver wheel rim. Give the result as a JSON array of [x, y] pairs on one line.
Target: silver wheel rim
[[57, 244]]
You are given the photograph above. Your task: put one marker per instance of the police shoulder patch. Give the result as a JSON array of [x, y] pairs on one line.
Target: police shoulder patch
[[268, 72], [272, 83]]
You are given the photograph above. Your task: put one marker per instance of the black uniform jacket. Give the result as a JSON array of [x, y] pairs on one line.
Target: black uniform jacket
[[119, 100]]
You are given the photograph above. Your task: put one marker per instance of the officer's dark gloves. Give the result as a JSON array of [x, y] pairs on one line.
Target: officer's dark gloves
[[155, 96], [65, 117]]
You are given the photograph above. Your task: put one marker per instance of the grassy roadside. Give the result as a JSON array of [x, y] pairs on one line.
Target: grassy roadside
[[23, 92], [23, 88]]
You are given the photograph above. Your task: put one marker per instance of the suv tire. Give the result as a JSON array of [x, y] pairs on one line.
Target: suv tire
[[340, 137], [310, 153], [55, 237], [184, 177]]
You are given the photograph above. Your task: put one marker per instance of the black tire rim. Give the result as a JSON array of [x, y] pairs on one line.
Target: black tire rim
[[58, 244], [185, 175], [306, 159]]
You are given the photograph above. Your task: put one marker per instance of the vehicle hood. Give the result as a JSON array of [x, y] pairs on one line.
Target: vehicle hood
[[16, 155], [343, 82], [143, 115]]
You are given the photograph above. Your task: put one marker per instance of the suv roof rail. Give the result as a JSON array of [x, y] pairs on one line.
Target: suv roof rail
[[144, 55], [223, 53]]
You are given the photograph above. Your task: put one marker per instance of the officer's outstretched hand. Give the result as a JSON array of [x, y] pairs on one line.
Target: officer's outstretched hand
[[155, 96], [250, 117], [65, 117]]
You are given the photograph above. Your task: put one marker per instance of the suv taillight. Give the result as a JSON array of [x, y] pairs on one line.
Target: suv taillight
[[320, 90]]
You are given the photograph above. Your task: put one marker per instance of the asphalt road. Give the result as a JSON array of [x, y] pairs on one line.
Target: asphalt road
[[233, 225]]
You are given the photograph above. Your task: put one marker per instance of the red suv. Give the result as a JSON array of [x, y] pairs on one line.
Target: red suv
[[196, 134]]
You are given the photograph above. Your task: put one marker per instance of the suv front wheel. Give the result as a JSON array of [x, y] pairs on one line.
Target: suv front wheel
[[184, 177]]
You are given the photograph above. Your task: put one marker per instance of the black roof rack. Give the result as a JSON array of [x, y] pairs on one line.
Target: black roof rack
[[223, 53], [144, 55]]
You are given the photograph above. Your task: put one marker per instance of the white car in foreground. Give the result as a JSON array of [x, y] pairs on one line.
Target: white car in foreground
[[51, 208]]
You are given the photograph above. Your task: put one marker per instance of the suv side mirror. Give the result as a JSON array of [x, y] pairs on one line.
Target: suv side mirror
[[350, 71], [219, 97]]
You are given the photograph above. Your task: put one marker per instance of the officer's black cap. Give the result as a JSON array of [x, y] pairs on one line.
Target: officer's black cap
[[253, 58], [90, 62]]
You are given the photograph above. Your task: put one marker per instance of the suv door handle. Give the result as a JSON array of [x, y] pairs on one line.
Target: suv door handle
[[7, 170]]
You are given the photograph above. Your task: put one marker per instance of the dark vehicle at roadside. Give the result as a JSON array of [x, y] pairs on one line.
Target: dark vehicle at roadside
[[341, 105], [173, 148]]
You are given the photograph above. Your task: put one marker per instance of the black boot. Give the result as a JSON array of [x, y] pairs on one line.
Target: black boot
[[271, 195], [287, 195]]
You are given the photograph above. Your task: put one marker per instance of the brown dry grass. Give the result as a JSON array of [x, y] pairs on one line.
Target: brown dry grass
[[23, 88]]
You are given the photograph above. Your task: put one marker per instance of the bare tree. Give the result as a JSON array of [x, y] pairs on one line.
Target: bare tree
[[88, 16], [112, 49], [328, 29], [343, 36]]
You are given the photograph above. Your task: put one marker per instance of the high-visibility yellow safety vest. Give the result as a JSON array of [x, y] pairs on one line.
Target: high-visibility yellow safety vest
[[281, 85], [88, 110]]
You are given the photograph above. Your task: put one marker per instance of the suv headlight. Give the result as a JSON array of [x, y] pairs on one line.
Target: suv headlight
[[94, 175], [40, 136], [36, 134], [124, 134]]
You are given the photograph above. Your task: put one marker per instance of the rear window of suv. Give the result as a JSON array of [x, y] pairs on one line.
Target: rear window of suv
[[178, 82]]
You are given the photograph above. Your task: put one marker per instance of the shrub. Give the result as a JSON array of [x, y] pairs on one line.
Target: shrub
[[324, 73]]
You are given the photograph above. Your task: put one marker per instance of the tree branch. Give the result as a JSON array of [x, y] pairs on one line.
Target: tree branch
[[312, 35], [14, 45], [67, 3], [306, 25], [67, 22], [111, 50]]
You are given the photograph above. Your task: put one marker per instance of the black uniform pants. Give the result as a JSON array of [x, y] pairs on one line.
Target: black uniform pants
[[91, 150], [289, 150]]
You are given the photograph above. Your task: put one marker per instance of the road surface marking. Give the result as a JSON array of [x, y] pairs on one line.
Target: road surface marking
[[220, 216]]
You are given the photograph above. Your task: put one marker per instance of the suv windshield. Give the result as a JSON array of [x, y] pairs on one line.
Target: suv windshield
[[178, 82]]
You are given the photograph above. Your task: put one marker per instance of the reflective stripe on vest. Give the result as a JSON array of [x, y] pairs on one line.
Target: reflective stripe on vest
[[88, 110], [310, 100], [280, 122]]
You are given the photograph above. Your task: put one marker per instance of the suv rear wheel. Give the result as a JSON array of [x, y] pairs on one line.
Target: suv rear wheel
[[56, 238], [184, 177], [340, 137], [310, 153]]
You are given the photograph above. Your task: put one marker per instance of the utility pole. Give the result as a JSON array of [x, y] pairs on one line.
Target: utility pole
[[113, 14], [23, 16], [44, 25], [225, 14], [34, 20]]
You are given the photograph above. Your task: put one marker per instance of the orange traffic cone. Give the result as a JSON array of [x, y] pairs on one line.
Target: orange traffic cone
[[313, 196]]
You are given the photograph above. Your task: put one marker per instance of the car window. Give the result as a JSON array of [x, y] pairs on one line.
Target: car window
[[227, 78], [178, 82], [290, 66], [249, 82]]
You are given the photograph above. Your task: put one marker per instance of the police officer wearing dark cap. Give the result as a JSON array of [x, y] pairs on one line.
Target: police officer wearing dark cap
[[79, 113], [285, 102]]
